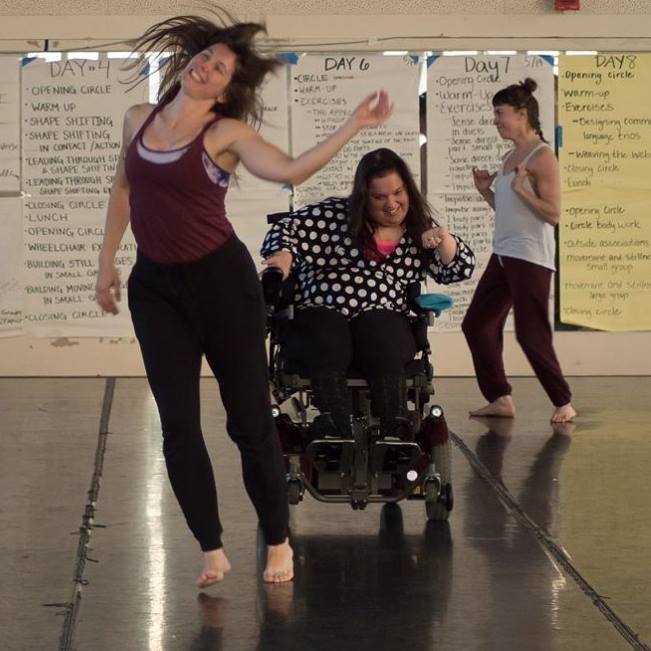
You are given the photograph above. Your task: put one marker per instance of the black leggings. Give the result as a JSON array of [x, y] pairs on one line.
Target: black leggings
[[323, 344], [376, 343], [210, 307]]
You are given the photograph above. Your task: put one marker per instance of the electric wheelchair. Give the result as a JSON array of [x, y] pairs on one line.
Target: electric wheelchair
[[367, 467]]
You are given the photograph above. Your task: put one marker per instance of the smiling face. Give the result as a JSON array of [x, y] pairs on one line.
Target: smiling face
[[209, 73], [388, 200], [511, 122]]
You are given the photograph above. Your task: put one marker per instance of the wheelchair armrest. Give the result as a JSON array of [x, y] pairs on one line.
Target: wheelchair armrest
[[432, 303], [272, 282], [419, 330], [425, 307], [278, 293], [426, 303]]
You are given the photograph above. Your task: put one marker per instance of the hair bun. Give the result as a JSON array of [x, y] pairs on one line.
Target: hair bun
[[529, 85]]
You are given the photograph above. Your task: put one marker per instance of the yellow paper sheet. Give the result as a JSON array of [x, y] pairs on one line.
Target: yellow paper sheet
[[604, 106]]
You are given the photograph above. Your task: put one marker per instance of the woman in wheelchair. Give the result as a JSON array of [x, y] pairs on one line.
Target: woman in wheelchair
[[353, 261]]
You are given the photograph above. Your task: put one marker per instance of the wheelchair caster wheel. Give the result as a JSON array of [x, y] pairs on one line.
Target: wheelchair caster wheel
[[294, 492], [438, 508], [448, 497]]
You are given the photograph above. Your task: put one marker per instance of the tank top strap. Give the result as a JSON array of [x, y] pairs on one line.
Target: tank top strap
[[198, 140], [146, 123], [525, 160], [210, 123], [533, 151]]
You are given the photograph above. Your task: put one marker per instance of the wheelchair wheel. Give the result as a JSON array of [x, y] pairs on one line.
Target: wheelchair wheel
[[438, 506], [294, 493]]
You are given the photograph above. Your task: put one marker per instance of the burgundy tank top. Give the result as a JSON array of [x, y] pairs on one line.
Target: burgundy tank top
[[176, 199]]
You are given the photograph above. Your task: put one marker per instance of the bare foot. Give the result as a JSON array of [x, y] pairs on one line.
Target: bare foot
[[564, 414], [280, 563], [215, 567], [503, 407]]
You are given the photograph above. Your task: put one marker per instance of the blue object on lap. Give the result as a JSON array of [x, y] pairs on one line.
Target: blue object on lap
[[434, 302]]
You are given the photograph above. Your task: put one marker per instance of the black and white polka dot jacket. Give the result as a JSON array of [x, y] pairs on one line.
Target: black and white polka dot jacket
[[332, 272]]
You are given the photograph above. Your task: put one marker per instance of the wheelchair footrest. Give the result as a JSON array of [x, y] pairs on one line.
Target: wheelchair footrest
[[393, 456], [389, 466]]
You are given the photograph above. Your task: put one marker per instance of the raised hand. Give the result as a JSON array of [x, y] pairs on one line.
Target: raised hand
[[483, 179], [373, 110], [521, 173], [432, 237]]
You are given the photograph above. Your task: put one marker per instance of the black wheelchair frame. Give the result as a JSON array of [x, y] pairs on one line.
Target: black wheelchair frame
[[367, 467]]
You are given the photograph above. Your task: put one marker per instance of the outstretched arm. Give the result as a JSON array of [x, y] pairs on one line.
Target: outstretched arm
[[268, 162]]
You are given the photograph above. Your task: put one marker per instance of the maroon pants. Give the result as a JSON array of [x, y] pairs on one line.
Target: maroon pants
[[506, 283]]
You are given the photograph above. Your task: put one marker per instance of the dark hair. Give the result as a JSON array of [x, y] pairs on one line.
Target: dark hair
[[521, 96], [183, 37], [378, 163]]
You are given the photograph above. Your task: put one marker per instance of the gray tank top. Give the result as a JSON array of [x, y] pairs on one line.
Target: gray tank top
[[518, 232]]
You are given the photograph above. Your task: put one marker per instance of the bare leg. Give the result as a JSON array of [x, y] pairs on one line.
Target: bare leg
[[564, 414], [215, 567], [280, 563], [503, 407]]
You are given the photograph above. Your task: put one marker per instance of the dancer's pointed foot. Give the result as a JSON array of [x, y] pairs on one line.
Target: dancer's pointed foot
[[280, 563], [564, 414], [215, 567], [503, 407]]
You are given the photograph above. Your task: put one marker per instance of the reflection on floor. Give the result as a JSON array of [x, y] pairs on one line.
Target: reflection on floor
[[378, 579]]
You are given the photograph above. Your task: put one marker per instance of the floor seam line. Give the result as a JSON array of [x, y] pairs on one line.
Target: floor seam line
[[550, 546], [88, 522]]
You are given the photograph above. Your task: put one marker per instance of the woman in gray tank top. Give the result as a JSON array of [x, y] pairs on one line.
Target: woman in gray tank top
[[526, 200]]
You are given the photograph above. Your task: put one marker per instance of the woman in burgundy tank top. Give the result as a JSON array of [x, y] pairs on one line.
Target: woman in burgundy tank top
[[194, 291]]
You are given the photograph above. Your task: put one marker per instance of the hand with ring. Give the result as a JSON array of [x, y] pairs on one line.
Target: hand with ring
[[432, 237]]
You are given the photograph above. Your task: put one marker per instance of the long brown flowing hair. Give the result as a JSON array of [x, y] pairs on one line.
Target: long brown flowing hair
[[183, 37], [377, 163]]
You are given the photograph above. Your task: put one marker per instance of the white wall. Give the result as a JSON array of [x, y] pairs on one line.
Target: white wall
[[372, 25]]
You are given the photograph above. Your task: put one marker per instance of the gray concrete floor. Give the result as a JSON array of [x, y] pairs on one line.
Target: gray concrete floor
[[547, 547]]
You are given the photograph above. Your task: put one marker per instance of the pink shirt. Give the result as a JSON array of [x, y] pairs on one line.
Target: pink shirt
[[385, 247]]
